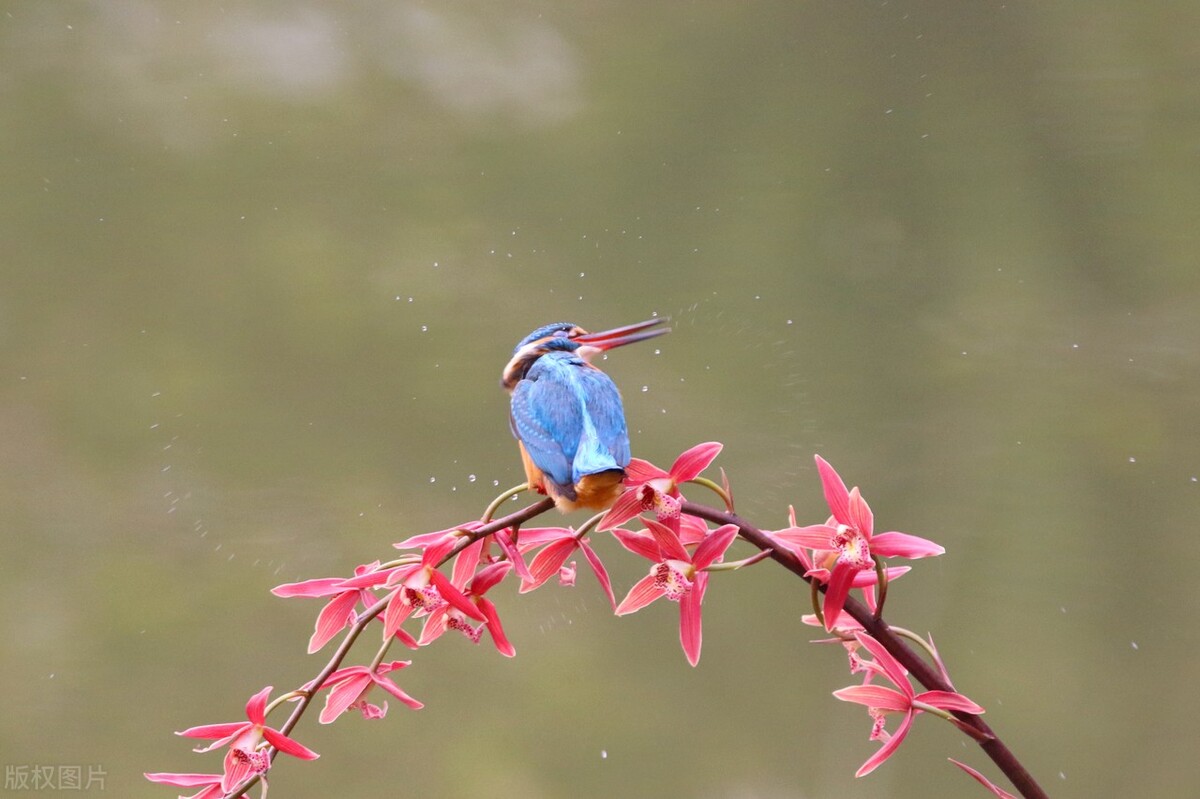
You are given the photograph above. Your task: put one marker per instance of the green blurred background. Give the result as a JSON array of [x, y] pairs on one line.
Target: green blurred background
[[263, 263]]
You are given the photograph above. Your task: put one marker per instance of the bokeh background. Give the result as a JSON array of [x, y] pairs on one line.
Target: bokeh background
[[263, 262]]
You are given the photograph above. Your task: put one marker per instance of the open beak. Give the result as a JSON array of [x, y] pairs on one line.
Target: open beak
[[620, 336]]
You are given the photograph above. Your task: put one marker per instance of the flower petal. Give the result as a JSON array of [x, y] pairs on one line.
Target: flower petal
[[598, 569], [322, 586], [982, 780], [714, 545], [256, 707], [334, 617], [627, 506], [288, 746], [689, 465], [434, 626], [879, 697], [546, 563], [395, 613], [949, 700], [425, 539], [183, 780], [489, 577], [644, 592], [639, 471], [465, 563], [814, 536], [343, 692], [836, 494], [668, 541], [495, 630], [888, 749], [395, 690], [639, 543], [227, 730], [886, 661], [860, 513], [689, 621], [514, 555], [903, 545], [453, 595], [836, 591]]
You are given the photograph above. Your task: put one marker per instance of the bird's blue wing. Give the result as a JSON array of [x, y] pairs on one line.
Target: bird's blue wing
[[605, 441], [547, 417]]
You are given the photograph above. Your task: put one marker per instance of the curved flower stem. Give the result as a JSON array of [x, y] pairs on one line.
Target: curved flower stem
[[500, 500], [918, 640], [882, 579], [716, 489], [288, 697], [308, 694], [878, 629], [380, 655], [589, 525], [816, 600]]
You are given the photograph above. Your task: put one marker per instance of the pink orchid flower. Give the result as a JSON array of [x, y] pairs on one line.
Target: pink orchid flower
[[246, 755], [349, 688], [676, 574], [447, 616], [881, 700], [649, 488], [847, 539], [421, 588], [557, 544]]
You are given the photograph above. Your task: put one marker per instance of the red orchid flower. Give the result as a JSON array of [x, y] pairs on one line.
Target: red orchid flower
[[557, 544], [881, 700], [349, 688], [447, 616], [649, 488], [676, 574], [847, 539], [421, 588], [246, 754]]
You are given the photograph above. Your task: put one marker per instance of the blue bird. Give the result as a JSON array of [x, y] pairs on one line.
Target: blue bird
[[567, 415]]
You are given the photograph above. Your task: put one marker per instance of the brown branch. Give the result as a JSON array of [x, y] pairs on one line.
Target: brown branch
[[924, 673]]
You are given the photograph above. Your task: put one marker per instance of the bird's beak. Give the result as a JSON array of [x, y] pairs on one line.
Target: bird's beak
[[605, 340]]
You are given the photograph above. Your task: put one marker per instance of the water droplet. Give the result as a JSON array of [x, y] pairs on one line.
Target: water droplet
[[645, 389], [424, 328], [470, 478], [1133, 460], [433, 479]]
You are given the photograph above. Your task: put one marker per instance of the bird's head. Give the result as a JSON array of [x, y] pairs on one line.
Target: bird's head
[[569, 337]]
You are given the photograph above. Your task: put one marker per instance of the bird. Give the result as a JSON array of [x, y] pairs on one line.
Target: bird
[[567, 415]]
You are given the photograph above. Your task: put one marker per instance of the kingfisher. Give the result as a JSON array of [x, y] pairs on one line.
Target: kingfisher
[[567, 415]]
